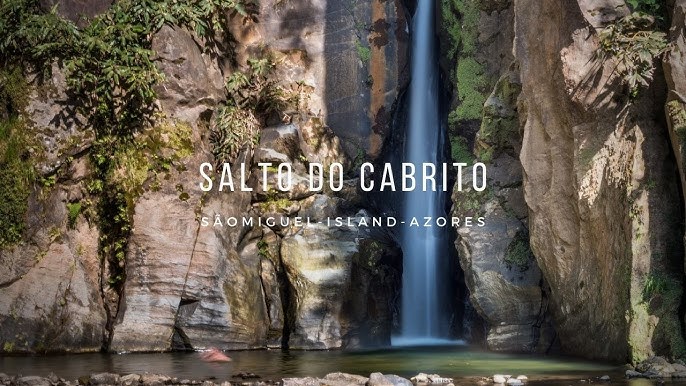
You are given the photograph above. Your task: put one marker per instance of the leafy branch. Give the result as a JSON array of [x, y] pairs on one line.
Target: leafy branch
[[633, 45]]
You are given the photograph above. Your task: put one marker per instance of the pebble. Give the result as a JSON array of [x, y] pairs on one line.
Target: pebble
[[605, 378], [514, 382], [499, 378]]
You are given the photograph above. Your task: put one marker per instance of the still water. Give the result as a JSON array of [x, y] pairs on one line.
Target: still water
[[455, 362]]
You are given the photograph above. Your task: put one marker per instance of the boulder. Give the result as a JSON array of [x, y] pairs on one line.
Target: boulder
[[105, 379], [501, 273], [346, 379], [32, 381], [309, 381], [331, 273]]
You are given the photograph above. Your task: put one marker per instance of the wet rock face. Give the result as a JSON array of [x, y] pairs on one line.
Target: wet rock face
[[597, 173]]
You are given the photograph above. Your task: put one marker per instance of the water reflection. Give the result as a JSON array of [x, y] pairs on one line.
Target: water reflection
[[454, 362]]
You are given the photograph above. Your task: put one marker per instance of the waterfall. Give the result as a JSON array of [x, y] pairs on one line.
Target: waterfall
[[423, 313]]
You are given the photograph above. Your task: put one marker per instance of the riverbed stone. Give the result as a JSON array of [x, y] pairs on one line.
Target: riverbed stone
[[130, 379], [32, 381], [105, 379], [349, 379], [655, 365], [379, 379], [154, 379], [308, 381], [397, 380]]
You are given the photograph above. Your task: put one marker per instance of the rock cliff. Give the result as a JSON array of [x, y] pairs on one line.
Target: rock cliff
[[600, 187], [179, 284], [598, 177]]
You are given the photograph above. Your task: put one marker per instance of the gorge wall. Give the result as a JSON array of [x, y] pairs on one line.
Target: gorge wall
[[584, 210], [177, 284], [600, 182]]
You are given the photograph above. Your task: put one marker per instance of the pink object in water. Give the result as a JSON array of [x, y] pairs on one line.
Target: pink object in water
[[214, 355]]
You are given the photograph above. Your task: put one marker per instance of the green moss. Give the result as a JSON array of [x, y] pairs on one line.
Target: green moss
[[8, 347], [460, 23], [459, 150], [263, 249], [677, 115], [518, 254], [371, 253], [16, 169], [655, 321], [363, 52], [73, 212], [655, 285], [499, 129], [274, 204], [471, 90], [470, 202]]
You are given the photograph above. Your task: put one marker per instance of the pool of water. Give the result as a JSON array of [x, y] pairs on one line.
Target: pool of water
[[460, 362]]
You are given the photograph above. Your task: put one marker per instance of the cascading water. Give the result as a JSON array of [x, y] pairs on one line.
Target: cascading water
[[423, 313]]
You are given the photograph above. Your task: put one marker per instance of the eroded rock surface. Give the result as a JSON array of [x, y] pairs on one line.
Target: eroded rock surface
[[597, 175]]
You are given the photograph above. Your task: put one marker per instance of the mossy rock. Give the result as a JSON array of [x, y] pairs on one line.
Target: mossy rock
[[518, 254], [677, 115], [459, 150], [469, 202], [500, 124], [16, 167]]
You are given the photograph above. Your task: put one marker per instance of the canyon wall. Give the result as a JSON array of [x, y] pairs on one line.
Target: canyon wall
[[597, 243], [181, 285]]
